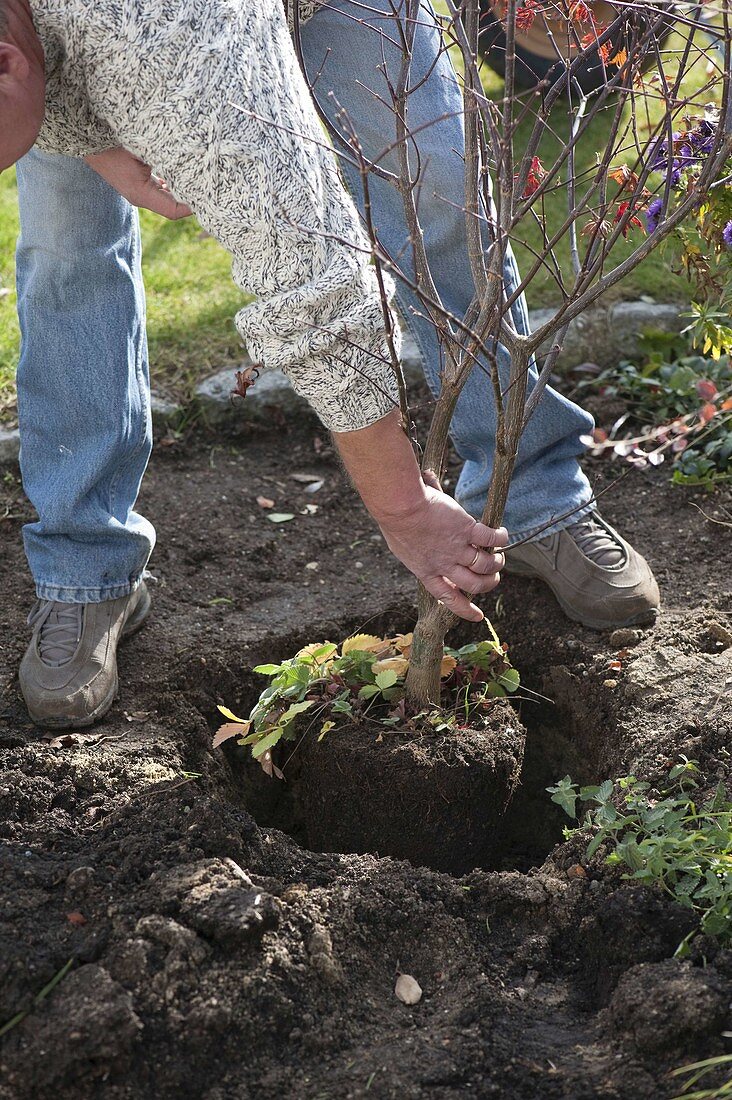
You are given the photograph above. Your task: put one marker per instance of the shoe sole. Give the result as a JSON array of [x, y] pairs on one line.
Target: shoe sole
[[133, 624], [644, 618]]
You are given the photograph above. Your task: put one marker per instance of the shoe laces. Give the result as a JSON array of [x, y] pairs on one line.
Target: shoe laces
[[59, 627], [597, 543]]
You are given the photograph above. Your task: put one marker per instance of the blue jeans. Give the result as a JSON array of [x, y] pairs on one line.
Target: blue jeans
[[83, 389]]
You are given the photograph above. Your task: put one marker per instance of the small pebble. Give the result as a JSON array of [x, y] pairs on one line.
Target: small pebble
[[610, 684]]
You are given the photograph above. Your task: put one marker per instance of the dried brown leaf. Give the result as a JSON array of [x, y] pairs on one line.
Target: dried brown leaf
[[229, 730]]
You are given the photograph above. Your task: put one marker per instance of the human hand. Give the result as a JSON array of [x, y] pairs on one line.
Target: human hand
[[135, 181], [446, 549]]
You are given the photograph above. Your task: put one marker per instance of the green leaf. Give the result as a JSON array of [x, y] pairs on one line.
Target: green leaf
[[266, 670], [324, 652], [386, 679], [594, 845], [494, 690], [267, 742], [565, 795], [510, 679], [279, 517], [296, 708], [368, 691], [342, 706]]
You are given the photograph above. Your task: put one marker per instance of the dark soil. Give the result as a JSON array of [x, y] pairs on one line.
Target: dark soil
[[434, 799], [217, 958]]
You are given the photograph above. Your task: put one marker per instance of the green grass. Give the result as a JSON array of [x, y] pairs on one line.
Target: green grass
[[191, 302], [192, 299]]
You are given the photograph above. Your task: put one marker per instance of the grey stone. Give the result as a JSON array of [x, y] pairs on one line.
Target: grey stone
[[271, 390], [9, 445], [629, 320], [601, 335], [163, 411], [605, 334], [411, 359]]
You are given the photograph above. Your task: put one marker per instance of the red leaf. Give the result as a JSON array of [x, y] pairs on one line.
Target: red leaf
[[706, 412], [706, 389]]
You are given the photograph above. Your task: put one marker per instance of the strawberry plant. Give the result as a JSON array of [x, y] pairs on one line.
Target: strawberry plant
[[363, 680]]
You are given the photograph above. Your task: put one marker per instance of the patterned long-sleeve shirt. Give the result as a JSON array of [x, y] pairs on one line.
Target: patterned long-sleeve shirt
[[209, 92]]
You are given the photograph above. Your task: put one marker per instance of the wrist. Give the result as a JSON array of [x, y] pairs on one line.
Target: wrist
[[384, 470], [399, 504]]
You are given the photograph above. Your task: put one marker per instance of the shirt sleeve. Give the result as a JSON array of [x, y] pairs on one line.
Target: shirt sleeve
[[210, 94]]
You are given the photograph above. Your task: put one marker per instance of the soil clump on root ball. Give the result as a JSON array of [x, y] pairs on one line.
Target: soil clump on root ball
[[434, 799]]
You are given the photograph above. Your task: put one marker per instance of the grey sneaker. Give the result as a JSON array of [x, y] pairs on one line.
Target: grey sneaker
[[68, 675], [597, 577]]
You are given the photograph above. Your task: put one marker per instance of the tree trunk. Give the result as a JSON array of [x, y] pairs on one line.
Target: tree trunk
[[434, 619]]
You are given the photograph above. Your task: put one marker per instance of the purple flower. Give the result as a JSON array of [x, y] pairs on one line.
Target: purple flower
[[727, 235], [701, 137], [686, 156], [653, 214]]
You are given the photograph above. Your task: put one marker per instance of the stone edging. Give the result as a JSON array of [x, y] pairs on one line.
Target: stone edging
[[602, 335]]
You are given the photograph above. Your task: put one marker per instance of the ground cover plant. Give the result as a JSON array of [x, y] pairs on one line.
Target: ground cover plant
[[363, 680], [665, 838], [679, 408]]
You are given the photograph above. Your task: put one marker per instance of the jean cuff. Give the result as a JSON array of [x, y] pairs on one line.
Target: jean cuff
[[541, 532], [81, 594]]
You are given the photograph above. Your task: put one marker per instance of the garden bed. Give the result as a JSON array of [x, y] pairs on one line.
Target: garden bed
[[216, 956]]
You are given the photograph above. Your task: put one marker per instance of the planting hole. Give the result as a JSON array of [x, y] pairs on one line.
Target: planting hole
[[454, 801]]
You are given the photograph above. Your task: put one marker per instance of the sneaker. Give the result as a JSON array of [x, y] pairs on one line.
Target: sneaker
[[68, 675], [597, 577]]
